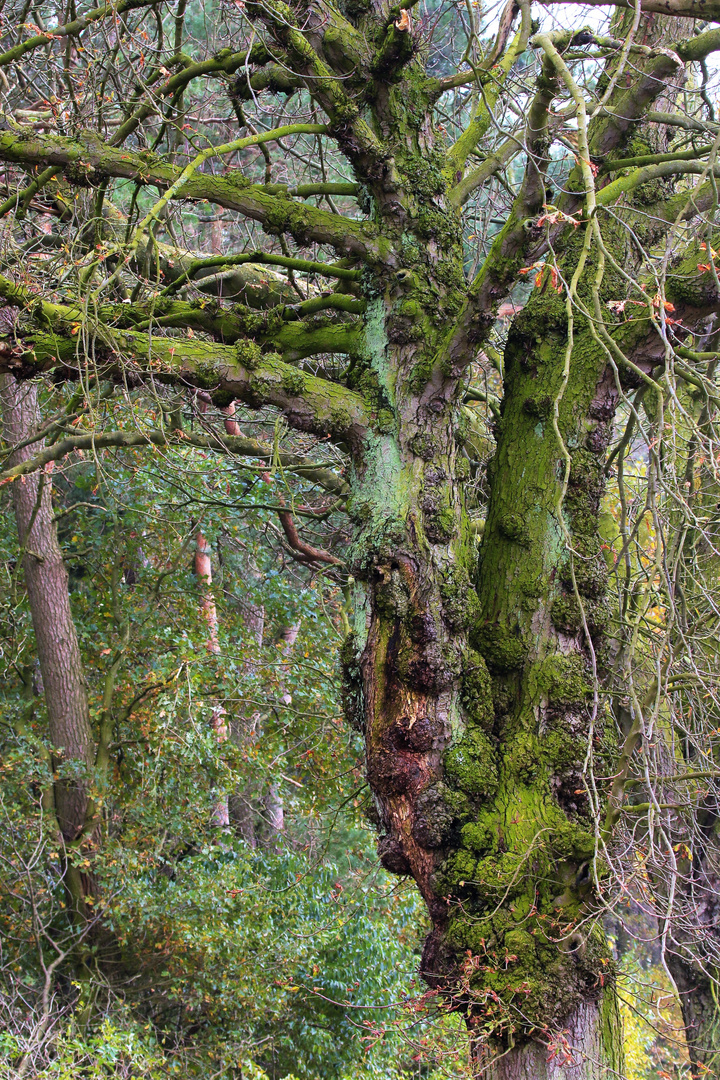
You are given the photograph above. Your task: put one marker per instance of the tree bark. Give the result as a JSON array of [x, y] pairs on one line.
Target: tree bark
[[46, 579], [697, 987], [589, 1048]]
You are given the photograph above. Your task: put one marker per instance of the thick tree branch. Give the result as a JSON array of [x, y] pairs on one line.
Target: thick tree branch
[[294, 340], [275, 78], [87, 158], [307, 402], [395, 50], [353, 133], [689, 123], [652, 159]]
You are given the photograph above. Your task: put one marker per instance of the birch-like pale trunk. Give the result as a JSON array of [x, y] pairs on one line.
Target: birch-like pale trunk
[[218, 721]]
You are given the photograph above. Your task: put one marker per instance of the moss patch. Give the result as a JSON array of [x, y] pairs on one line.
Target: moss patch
[[476, 692], [562, 680], [502, 650], [471, 765]]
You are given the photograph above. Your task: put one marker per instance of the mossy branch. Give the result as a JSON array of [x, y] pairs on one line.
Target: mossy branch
[[395, 50], [301, 265], [275, 78], [290, 336], [70, 29], [22, 199], [293, 340], [229, 373], [652, 159], [306, 191], [687, 123], [677, 167], [458, 153], [87, 159], [471, 181]]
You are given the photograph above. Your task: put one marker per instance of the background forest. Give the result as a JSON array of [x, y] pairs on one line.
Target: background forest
[[221, 912], [275, 943]]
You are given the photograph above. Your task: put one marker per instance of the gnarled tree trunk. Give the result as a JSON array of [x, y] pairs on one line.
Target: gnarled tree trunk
[[474, 681]]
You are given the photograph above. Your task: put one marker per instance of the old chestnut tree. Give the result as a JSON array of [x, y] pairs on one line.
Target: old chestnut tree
[[476, 254]]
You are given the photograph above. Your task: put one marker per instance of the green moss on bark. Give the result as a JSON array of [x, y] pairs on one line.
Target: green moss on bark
[[476, 692], [471, 766], [502, 649]]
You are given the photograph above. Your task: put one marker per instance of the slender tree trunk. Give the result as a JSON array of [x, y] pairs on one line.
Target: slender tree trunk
[[274, 812], [242, 811], [59, 657], [240, 804], [273, 802], [218, 721]]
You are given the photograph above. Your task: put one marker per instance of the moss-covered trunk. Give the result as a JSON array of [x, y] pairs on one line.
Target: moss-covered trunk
[[475, 679], [541, 582], [474, 686]]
